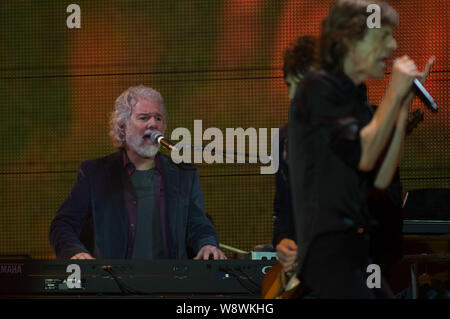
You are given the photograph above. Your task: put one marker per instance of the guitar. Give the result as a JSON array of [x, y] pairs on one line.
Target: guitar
[[277, 284]]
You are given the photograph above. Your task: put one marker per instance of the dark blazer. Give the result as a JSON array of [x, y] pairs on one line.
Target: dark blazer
[[96, 206], [284, 226]]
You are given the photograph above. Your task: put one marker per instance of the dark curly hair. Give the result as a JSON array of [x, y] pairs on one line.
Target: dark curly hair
[[299, 57], [346, 23]]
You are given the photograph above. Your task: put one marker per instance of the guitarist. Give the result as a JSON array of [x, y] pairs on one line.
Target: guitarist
[[298, 60]]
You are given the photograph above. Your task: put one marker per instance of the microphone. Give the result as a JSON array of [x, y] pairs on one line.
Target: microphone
[[158, 138], [423, 94]]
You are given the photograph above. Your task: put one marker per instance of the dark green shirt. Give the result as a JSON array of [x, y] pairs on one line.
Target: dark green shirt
[[148, 242]]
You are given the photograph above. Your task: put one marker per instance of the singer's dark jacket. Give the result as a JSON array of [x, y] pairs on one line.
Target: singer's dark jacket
[[102, 207], [328, 191]]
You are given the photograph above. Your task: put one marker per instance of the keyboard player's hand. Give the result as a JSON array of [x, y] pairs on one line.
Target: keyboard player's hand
[[82, 256], [210, 250]]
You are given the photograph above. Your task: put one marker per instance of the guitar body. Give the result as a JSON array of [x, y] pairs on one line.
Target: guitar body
[[277, 285]]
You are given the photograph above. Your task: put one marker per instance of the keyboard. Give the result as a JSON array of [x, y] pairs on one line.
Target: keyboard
[[21, 277]]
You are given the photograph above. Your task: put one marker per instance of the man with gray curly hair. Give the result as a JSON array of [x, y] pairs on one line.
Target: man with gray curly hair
[[135, 203], [119, 129]]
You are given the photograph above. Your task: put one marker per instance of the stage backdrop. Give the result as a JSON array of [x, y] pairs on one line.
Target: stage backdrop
[[215, 61]]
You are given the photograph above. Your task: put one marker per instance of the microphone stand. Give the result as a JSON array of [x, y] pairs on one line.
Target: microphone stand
[[224, 152]]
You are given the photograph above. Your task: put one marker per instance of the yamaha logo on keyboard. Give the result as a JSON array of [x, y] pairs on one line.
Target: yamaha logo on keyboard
[[11, 269]]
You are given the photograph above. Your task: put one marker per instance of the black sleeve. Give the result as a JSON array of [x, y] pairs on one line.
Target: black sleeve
[[283, 226], [330, 110], [200, 231], [69, 220], [345, 140]]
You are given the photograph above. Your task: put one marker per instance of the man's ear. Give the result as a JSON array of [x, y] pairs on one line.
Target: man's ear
[[122, 130]]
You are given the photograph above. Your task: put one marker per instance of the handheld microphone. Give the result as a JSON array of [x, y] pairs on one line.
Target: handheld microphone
[[423, 94], [158, 138]]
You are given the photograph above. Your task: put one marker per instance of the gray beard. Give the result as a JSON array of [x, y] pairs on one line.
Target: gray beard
[[136, 142]]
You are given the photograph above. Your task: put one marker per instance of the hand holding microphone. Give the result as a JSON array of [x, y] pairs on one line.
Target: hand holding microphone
[[404, 70], [420, 90], [404, 79]]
